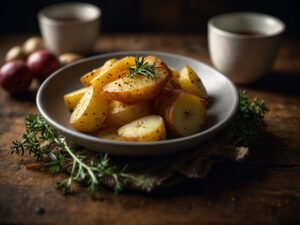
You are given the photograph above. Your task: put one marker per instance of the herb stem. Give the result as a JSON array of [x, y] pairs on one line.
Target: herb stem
[[142, 67], [40, 139], [79, 162]]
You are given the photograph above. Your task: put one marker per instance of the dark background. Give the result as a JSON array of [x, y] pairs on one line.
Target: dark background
[[119, 16]]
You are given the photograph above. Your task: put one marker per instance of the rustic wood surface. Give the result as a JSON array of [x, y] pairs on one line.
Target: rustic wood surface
[[263, 190]]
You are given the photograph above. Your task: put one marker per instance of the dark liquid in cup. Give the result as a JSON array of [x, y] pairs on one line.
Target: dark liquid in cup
[[67, 19], [248, 33]]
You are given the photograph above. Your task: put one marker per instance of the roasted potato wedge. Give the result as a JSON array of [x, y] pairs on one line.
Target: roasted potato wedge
[[117, 70], [148, 128], [190, 82], [120, 113], [88, 77], [90, 112], [184, 113], [139, 88], [71, 99]]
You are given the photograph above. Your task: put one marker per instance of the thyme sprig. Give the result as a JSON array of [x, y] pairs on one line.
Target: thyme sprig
[[248, 125], [143, 68], [40, 139]]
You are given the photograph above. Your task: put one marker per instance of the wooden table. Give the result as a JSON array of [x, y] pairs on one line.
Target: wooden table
[[263, 190]]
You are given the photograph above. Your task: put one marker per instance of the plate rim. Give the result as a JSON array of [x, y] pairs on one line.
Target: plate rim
[[212, 131]]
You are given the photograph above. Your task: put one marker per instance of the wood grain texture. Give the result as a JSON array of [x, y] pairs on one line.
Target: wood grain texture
[[265, 189]]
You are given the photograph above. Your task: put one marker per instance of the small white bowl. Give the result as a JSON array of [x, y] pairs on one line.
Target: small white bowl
[[244, 45], [69, 27], [224, 100]]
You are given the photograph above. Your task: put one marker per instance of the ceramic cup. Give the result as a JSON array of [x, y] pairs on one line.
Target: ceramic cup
[[244, 45], [69, 27]]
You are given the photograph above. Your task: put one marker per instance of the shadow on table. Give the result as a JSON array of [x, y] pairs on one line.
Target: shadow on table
[[28, 96], [230, 176], [278, 82]]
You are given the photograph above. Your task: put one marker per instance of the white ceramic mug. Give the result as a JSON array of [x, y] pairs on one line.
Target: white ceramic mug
[[244, 45], [69, 27]]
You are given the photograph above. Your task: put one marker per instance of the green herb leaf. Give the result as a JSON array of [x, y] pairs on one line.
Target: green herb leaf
[[248, 125], [142, 68]]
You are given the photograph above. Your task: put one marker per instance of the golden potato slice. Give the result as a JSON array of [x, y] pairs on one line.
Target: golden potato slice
[[108, 64], [148, 128], [116, 71], [71, 99], [139, 88], [184, 113], [120, 113], [90, 112], [190, 82], [110, 133], [86, 79]]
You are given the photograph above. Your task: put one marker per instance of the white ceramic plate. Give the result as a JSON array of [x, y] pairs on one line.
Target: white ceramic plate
[[223, 103]]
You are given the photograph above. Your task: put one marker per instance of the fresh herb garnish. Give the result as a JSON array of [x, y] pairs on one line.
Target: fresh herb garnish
[[43, 141], [142, 67], [248, 124]]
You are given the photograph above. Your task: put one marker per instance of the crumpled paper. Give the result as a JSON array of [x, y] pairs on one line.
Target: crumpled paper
[[167, 170]]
